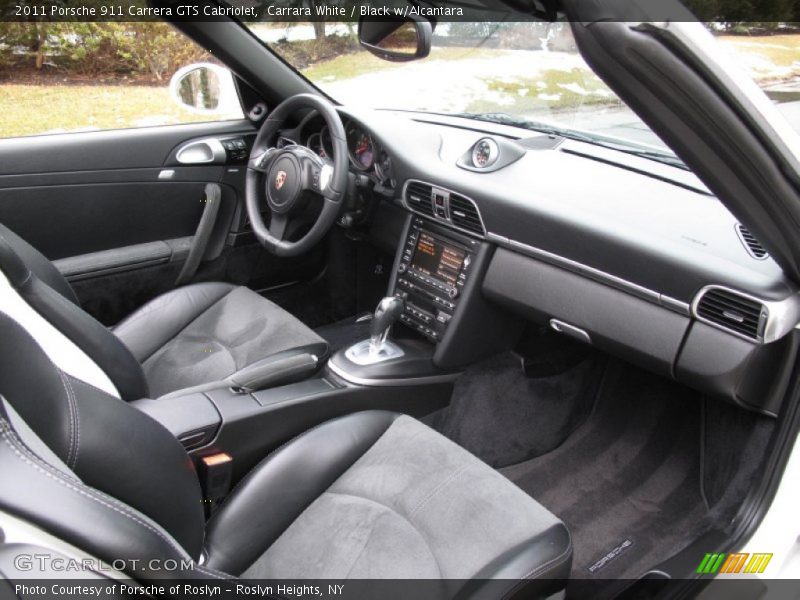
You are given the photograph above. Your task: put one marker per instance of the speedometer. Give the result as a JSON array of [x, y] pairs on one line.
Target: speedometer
[[362, 150]]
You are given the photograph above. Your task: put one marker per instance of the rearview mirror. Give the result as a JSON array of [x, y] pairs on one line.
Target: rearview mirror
[[203, 88], [396, 38]]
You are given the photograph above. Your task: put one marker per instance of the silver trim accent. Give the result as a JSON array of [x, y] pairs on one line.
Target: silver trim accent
[[361, 353], [339, 372], [198, 152], [166, 174], [781, 316], [325, 176], [565, 328], [623, 285], [283, 142], [740, 229], [494, 152], [18, 531], [432, 217]]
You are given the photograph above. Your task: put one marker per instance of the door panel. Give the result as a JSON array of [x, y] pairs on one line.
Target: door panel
[[69, 220], [118, 213], [115, 149]]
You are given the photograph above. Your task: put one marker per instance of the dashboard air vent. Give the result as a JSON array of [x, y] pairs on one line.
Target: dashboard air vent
[[731, 311], [418, 197], [464, 214], [754, 247]]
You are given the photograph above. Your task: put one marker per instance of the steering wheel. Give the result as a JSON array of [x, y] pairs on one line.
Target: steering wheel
[[285, 175]]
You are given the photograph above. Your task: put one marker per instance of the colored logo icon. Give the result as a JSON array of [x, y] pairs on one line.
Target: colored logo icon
[[734, 563]]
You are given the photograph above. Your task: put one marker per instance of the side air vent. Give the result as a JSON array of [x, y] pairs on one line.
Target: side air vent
[[418, 197], [732, 311], [464, 214], [754, 247]]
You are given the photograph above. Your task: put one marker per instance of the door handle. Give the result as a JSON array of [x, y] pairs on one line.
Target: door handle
[[205, 227]]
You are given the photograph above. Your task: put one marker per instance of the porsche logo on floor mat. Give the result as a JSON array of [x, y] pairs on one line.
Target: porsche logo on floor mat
[[611, 555]]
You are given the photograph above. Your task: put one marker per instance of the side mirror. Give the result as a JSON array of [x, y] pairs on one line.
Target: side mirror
[[396, 39], [204, 88]]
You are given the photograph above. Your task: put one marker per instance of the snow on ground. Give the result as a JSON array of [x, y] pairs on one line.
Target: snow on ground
[[448, 85]]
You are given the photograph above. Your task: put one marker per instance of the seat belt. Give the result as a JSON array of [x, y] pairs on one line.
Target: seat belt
[[202, 236]]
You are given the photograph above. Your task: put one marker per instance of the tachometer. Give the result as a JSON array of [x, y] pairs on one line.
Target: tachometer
[[314, 142]]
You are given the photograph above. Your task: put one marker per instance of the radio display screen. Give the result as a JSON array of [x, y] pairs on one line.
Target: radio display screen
[[436, 258]]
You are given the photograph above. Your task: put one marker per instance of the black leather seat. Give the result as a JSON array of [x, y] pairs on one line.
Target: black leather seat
[[372, 496], [198, 334]]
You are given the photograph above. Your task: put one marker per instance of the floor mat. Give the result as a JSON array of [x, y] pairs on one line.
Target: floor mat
[[627, 482], [504, 417]]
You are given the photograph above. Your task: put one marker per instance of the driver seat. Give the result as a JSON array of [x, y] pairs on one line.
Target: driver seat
[[198, 336]]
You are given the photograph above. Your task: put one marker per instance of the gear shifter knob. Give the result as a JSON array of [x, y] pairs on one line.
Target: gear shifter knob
[[388, 311]]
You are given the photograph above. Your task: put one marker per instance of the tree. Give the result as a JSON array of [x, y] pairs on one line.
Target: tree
[[319, 24]]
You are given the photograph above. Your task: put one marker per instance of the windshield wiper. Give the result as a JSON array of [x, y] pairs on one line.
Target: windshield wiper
[[629, 148]]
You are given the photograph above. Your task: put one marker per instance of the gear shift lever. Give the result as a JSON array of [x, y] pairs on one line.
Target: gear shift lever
[[388, 311]]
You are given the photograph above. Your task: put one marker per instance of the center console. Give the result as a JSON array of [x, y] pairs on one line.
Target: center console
[[431, 276], [434, 321], [442, 321]]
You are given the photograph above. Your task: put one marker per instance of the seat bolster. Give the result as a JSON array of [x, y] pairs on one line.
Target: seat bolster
[[538, 567], [90, 336], [150, 327], [17, 254], [284, 484]]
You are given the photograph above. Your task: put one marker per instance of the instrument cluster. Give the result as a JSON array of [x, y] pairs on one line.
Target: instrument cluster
[[365, 154]]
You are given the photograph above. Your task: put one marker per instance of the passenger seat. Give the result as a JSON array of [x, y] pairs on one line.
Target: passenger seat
[[372, 495]]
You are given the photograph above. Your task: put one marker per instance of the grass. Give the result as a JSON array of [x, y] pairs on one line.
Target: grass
[[552, 89], [348, 66], [780, 50], [766, 58], [36, 109]]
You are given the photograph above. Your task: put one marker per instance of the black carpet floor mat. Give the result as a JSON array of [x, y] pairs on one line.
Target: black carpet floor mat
[[504, 417], [630, 461], [627, 482]]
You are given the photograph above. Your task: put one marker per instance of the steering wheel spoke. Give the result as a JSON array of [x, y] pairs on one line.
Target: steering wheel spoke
[[277, 225], [262, 162], [317, 173]]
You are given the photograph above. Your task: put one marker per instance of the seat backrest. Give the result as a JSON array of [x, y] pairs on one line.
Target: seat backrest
[[38, 264], [32, 288], [103, 476], [86, 467]]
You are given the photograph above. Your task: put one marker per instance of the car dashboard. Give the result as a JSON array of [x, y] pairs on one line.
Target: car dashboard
[[630, 255]]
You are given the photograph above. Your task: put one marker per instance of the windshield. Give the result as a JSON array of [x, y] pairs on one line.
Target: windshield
[[509, 72], [515, 73]]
